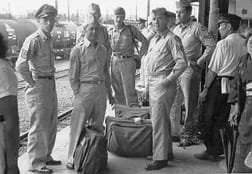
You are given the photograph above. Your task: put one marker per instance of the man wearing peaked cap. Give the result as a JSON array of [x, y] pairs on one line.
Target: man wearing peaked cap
[[45, 11], [35, 63]]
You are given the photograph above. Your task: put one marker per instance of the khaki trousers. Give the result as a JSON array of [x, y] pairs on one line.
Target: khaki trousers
[[43, 107], [161, 102], [89, 107]]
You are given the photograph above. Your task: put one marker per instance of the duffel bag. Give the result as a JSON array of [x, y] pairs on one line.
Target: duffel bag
[[91, 156], [127, 138]]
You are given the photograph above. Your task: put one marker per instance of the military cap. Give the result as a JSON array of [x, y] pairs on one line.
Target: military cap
[[141, 20], [229, 18], [161, 11], [119, 11], [94, 8], [46, 10], [183, 3]]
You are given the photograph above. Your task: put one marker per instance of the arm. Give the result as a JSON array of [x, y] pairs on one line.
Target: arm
[[140, 37], [74, 71], [208, 41], [26, 54]]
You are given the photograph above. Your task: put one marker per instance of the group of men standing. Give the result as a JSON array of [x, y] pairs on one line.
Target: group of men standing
[[173, 60]]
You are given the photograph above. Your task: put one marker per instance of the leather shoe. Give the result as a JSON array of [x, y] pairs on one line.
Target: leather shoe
[[206, 156], [156, 165], [53, 162], [70, 166], [43, 170]]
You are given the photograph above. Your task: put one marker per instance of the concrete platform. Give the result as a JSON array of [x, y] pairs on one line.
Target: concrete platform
[[184, 162]]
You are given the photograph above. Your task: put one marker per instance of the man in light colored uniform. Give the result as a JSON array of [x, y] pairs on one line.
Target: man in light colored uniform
[[94, 14], [166, 63], [193, 36], [123, 65], [214, 96], [90, 81], [36, 66]]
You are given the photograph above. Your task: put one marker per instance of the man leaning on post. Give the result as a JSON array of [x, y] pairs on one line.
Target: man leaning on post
[[36, 66], [166, 63]]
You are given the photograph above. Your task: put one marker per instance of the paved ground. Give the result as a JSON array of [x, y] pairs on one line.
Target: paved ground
[[184, 162]]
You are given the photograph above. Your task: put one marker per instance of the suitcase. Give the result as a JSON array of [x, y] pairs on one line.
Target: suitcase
[[127, 138], [91, 156]]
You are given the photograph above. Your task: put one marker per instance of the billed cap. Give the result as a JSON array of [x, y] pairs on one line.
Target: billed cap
[[46, 10], [229, 18], [119, 11]]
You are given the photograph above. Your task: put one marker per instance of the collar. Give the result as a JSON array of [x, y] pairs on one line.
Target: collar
[[87, 43], [185, 25], [162, 34], [43, 35]]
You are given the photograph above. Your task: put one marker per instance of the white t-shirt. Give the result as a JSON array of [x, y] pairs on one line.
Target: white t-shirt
[[8, 79], [227, 55]]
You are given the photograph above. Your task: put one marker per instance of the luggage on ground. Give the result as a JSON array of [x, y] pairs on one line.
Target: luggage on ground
[[90, 156]]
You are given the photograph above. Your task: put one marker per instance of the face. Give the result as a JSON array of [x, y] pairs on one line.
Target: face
[[47, 23], [118, 20], [159, 22], [224, 29], [93, 17], [249, 45], [183, 16], [91, 32]]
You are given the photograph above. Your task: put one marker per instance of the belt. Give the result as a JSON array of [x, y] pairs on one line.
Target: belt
[[1, 118], [121, 56], [96, 82], [45, 77]]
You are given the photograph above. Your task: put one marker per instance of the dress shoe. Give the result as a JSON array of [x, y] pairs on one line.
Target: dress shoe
[[156, 165], [70, 166], [43, 170], [206, 156], [53, 162]]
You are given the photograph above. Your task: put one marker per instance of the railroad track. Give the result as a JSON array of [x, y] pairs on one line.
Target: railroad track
[[59, 74], [61, 117]]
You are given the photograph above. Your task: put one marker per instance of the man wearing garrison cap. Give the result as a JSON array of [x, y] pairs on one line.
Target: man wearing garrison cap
[[36, 66], [193, 36], [123, 65], [166, 62], [222, 66], [94, 14]]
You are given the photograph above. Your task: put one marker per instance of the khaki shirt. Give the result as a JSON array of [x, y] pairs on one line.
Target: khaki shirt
[[88, 63], [193, 36], [36, 57], [165, 54], [227, 55], [102, 36], [122, 40]]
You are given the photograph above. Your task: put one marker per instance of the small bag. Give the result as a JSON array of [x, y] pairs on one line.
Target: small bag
[[127, 138], [90, 156]]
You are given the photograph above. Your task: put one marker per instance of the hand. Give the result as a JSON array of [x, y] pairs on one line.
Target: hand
[[200, 63], [202, 95], [234, 112]]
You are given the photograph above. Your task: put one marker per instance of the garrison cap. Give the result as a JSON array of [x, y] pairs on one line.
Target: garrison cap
[[46, 10], [119, 11], [183, 3], [141, 20], [229, 18], [94, 8]]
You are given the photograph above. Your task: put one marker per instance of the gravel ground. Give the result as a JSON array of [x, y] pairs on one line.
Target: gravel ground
[[65, 99]]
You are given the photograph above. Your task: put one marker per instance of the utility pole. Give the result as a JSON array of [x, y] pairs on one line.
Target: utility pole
[[68, 10], [56, 5], [148, 8]]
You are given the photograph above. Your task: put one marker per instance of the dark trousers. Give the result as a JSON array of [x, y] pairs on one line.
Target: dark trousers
[[214, 117], [9, 109]]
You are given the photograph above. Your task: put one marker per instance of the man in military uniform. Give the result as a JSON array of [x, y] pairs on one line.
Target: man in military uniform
[[94, 14], [224, 61], [36, 66], [193, 36], [166, 63], [123, 65], [90, 81]]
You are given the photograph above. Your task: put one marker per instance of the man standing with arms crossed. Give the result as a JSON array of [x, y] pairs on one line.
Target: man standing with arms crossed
[[36, 66], [193, 36], [166, 63]]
